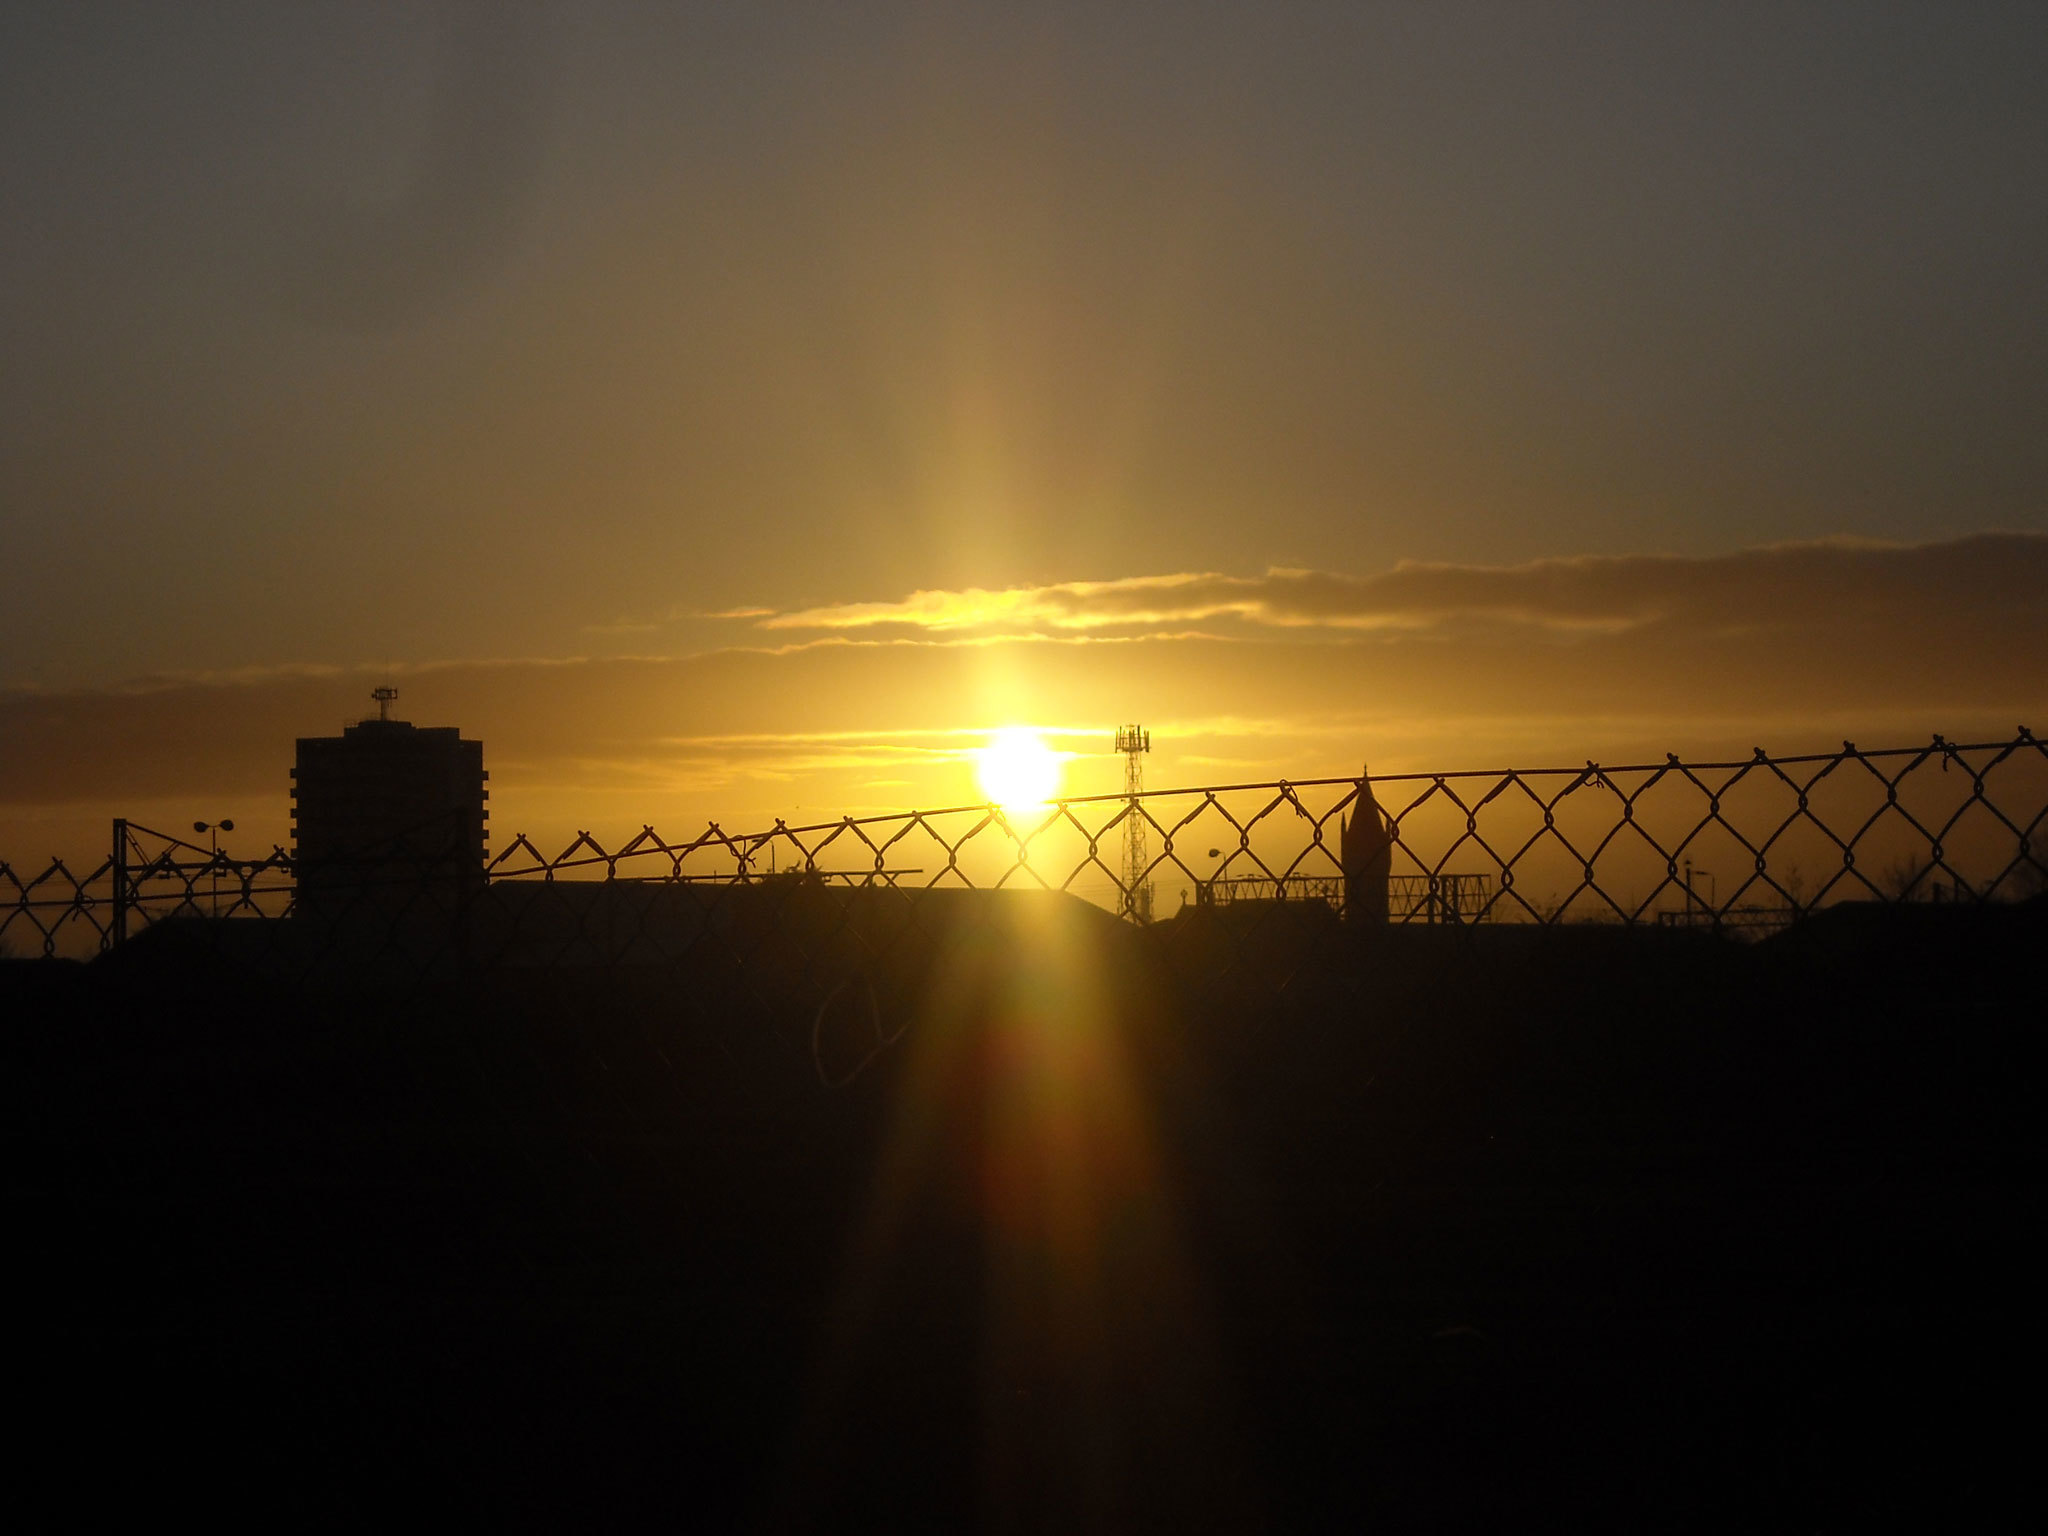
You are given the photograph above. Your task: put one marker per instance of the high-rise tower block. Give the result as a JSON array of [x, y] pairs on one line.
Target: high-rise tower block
[[388, 806]]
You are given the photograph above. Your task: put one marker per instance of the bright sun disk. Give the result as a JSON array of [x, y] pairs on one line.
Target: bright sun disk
[[1017, 769]]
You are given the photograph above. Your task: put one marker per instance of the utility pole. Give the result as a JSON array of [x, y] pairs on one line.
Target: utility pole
[[119, 867], [1134, 741]]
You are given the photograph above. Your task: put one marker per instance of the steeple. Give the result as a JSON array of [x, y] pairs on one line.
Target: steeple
[[1365, 844]]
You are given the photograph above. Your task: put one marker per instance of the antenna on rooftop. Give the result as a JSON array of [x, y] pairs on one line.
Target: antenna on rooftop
[[384, 696], [1134, 741]]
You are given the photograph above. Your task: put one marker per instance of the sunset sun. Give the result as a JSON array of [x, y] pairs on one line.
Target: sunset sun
[[1017, 770]]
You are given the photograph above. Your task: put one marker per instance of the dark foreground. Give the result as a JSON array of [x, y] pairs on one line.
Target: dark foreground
[[1478, 1231]]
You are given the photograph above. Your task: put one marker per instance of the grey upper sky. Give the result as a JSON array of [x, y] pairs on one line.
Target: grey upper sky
[[338, 334]]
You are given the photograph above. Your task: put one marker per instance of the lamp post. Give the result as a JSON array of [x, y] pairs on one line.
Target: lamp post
[[216, 828]]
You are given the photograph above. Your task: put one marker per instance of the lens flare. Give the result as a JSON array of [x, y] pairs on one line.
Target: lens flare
[[1018, 771]]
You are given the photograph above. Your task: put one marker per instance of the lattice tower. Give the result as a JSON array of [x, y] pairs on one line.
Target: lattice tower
[[1134, 741]]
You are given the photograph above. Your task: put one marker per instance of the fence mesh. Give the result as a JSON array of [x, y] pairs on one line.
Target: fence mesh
[[1248, 877]]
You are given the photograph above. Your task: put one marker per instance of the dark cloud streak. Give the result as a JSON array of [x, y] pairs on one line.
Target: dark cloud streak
[[1839, 579], [1934, 632]]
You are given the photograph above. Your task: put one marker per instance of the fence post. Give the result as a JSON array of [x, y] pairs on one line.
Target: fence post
[[118, 865]]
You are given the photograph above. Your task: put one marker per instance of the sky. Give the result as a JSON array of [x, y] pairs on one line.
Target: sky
[[731, 410]]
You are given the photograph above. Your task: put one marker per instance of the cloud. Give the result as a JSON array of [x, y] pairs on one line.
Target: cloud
[[1427, 666], [1841, 578], [1066, 605]]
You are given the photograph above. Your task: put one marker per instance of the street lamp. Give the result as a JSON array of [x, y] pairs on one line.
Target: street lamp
[[216, 828]]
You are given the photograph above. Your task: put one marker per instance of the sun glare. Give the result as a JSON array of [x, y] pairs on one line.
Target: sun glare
[[1018, 771]]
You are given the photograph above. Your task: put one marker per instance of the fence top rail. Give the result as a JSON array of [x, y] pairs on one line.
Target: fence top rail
[[522, 858], [1848, 752]]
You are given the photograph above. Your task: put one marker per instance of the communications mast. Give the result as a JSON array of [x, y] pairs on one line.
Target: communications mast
[[1134, 741]]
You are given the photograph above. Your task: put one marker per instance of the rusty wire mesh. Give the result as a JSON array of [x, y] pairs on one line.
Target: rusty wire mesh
[[1740, 846]]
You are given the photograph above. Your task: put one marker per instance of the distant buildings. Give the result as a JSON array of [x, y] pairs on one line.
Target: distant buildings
[[390, 806]]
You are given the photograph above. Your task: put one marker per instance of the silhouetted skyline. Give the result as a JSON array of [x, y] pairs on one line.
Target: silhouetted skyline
[[751, 410]]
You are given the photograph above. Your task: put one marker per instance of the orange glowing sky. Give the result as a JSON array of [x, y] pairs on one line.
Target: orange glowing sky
[[730, 412]]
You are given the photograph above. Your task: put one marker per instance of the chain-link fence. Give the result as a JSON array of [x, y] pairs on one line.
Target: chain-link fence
[[1240, 873]]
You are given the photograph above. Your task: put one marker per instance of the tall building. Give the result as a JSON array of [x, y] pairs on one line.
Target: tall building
[[388, 806]]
